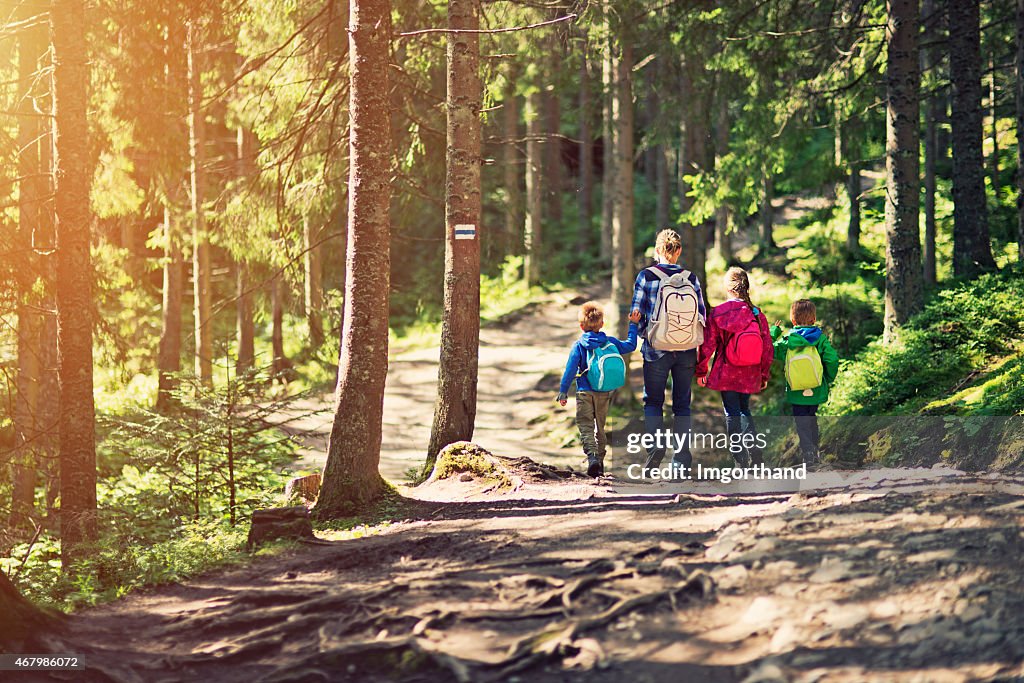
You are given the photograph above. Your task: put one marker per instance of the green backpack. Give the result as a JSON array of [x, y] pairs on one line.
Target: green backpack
[[804, 371]]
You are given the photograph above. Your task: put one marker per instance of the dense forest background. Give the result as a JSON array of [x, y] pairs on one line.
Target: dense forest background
[[859, 152]]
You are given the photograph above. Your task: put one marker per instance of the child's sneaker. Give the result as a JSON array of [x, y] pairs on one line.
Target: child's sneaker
[[594, 468]]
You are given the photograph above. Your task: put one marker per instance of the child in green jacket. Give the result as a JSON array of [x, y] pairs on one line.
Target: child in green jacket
[[811, 368]]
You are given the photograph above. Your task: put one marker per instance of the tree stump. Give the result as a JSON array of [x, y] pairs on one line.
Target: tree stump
[[22, 621], [303, 490], [275, 523]]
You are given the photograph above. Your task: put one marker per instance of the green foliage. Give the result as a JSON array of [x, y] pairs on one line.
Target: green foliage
[[961, 330]]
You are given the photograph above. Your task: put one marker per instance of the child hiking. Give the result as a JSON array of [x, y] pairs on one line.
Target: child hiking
[[596, 363], [669, 305], [737, 338], [811, 368]]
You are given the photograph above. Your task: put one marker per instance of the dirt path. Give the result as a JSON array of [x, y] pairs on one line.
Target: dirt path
[[515, 356], [915, 579]]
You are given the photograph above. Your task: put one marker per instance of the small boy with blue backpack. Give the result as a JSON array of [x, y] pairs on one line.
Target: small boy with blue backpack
[[596, 364], [811, 367]]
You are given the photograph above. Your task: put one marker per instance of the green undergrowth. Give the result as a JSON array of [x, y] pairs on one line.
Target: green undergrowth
[[961, 354]]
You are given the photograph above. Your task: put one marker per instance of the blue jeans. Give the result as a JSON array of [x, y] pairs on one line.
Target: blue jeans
[[680, 364], [806, 418], [737, 413]]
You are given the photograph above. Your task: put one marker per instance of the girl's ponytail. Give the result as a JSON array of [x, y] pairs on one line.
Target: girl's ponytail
[[736, 280]]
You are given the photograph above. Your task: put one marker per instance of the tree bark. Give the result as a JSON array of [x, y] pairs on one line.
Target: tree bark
[[553, 168], [930, 62], [1019, 65], [993, 95], [173, 292], [586, 196], [850, 156], [351, 480], [534, 193], [280, 363], [903, 278], [169, 355], [245, 324], [972, 252], [32, 191], [23, 622], [202, 295], [73, 172], [767, 212], [512, 244], [455, 409], [314, 291], [622, 217], [608, 174], [662, 187], [723, 240]]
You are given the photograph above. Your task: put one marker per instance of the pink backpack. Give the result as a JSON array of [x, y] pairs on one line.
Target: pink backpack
[[744, 348]]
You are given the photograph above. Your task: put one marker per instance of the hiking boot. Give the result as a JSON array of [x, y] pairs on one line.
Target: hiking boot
[[652, 425], [594, 468], [742, 459], [756, 457]]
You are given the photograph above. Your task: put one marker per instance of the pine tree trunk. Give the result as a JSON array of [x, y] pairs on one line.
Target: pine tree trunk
[[972, 252], [553, 168], [767, 212], [723, 240], [608, 173], [1020, 127], [245, 324], [850, 156], [314, 291], [622, 217], [280, 363], [586, 196], [930, 62], [455, 409], [534, 193], [993, 100], [202, 295], [74, 278], [512, 244], [169, 355], [32, 192], [903, 279], [662, 187], [23, 622], [351, 481]]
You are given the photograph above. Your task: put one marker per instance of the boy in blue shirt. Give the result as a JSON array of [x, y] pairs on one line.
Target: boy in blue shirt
[[591, 405]]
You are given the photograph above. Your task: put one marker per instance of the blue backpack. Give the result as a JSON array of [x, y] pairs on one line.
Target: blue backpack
[[606, 369]]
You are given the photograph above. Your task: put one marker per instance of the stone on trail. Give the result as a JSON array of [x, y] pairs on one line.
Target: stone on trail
[[275, 523]]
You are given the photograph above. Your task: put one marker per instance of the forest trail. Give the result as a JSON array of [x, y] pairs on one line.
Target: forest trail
[[519, 358], [909, 579]]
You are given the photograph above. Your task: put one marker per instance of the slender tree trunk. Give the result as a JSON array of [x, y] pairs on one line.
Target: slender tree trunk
[[314, 291], [534, 193], [608, 174], [972, 252], [1019, 64], [244, 319], [48, 415], [853, 190], [31, 197], [512, 244], [903, 278], [586, 196], [553, 167], [767, 212], [723, 240], [169, 355], [455, 409], [930, 62], [992, 100], [173, 292], [351, 481], [280, 363], [622, 217], [662, 187], [74, 278], [202, 295]]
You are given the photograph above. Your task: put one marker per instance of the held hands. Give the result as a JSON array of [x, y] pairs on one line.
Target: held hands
[[702, 380], [562, 398], [634, 315]]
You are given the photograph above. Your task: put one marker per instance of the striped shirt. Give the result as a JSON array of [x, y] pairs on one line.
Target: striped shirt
[[645, 298]]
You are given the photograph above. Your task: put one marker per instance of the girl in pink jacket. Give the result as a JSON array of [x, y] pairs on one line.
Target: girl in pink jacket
[[737, 338]]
